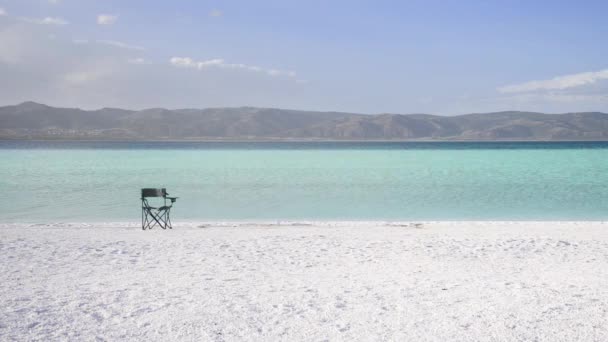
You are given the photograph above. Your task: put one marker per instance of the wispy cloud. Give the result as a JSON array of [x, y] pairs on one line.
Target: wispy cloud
[[79, 77], [138, 61], [216, 13], [106, 19], [2, 11], [121, 45], [45, 21], [557, 83], [187, 62], [74, 70], [113, 43]]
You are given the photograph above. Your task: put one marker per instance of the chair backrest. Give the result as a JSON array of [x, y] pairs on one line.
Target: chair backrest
[[149, 192]]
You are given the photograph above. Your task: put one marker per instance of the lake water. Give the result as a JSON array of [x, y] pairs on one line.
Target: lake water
[[100, 181]]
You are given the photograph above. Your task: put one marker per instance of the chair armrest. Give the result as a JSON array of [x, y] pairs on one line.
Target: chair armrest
[[173, 199]]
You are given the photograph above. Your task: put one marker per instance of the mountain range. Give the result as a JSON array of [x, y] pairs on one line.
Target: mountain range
[[30, 120]]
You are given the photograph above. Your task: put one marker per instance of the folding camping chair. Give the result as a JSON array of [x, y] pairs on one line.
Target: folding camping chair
[[152, 216]]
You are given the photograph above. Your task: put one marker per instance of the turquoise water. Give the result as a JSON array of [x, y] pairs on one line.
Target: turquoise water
[[76, 181]]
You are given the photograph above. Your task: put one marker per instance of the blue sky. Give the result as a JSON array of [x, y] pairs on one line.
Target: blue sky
[[441, 57]]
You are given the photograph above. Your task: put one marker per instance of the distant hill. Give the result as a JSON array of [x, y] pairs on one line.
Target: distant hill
[[30, 120]]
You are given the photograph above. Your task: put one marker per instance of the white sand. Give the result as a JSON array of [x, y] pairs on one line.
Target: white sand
[[486, 281]]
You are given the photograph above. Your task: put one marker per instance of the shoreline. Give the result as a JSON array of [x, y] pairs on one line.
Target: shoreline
[[312, 223], [279, 140]]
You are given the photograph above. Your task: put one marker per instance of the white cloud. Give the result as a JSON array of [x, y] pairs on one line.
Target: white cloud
[[113, 43], [53, 21], [187, 62], [138, 61], [120, 45], [2, 11], [106, 19], [72, 72], [216, 13], [182, 62], [45, 21], [54, 2], [557, 83]]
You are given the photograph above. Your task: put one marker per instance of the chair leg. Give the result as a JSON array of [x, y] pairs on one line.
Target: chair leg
[[150, 218], [158, 219], [163, 221], [168, 219], [164, 217]]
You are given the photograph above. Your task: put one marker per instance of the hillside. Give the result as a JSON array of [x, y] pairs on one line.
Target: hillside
[[31, 120]]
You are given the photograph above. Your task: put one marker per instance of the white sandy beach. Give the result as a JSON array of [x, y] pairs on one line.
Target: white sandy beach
[[433, 281]]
